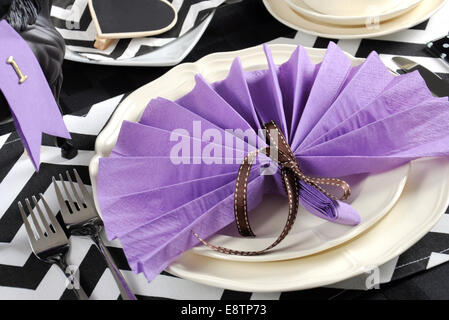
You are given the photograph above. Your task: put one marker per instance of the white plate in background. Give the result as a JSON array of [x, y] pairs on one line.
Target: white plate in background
[[302, 8], [284, 14]]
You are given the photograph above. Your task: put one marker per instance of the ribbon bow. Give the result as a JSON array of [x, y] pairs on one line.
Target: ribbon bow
[[280, 152]]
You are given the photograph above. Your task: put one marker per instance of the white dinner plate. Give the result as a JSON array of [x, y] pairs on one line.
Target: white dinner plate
[[372, 197], [302, 8], [281, 11], [168, 55]]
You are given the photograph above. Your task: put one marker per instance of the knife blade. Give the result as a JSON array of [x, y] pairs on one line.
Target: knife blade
[[437, 86]]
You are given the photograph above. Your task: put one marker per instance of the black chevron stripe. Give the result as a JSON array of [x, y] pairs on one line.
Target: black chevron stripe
[[11, 221], [29, 276], [11, 152], [82, 112], [68, 295], [118, 104], [311, 294], [202, 15], [421, 26], [79, 43], [91, 269], [235, 295], [391, 47], [145, 49], [444, 76], [79, 140], [118, 51], [323, 43], [165, 273], [6, 128], [119, 257], [408, 263], [140, 297]]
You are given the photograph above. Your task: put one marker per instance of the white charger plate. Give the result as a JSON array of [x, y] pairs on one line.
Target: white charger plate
[[176, 83], [284, 14], [302, 8], [168, 55], [372, 197]]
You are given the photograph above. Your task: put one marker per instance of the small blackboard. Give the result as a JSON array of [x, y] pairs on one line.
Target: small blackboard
[[118, 19]]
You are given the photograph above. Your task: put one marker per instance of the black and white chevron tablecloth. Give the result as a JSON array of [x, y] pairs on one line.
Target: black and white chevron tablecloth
[[89, 97]]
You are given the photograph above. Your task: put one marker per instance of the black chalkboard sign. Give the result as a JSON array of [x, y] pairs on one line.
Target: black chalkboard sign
[[118, 19]]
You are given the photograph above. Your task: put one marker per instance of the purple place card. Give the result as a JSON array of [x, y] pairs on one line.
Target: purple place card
[[28, 94]]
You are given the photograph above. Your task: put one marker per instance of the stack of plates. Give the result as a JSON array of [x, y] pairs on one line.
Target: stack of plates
[[298, 15], [397, 207]]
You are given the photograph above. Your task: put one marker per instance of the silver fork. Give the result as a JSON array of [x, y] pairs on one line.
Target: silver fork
[[81, 219], [51, 244]]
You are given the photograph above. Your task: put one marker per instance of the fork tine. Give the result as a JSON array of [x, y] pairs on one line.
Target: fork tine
[[33, 217], [67, 193], [41, 215], [54, 222], [62, 204], [27, 225], [86, 195], [75, 192]]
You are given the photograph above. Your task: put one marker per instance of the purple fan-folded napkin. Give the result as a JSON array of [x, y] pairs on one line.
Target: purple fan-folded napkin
[[175, 171], [31, 101]]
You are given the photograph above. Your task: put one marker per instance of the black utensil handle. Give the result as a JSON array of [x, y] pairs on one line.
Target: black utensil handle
[[440, 48]]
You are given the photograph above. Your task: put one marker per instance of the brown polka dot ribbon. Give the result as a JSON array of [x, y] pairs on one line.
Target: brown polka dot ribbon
[[280, 152]]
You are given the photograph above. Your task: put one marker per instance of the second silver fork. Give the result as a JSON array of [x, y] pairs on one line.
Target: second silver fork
[[49, 244], [82, 219]]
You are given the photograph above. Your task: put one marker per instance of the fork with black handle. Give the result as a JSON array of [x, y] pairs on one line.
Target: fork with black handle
[[81, 219], [51, 244]]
